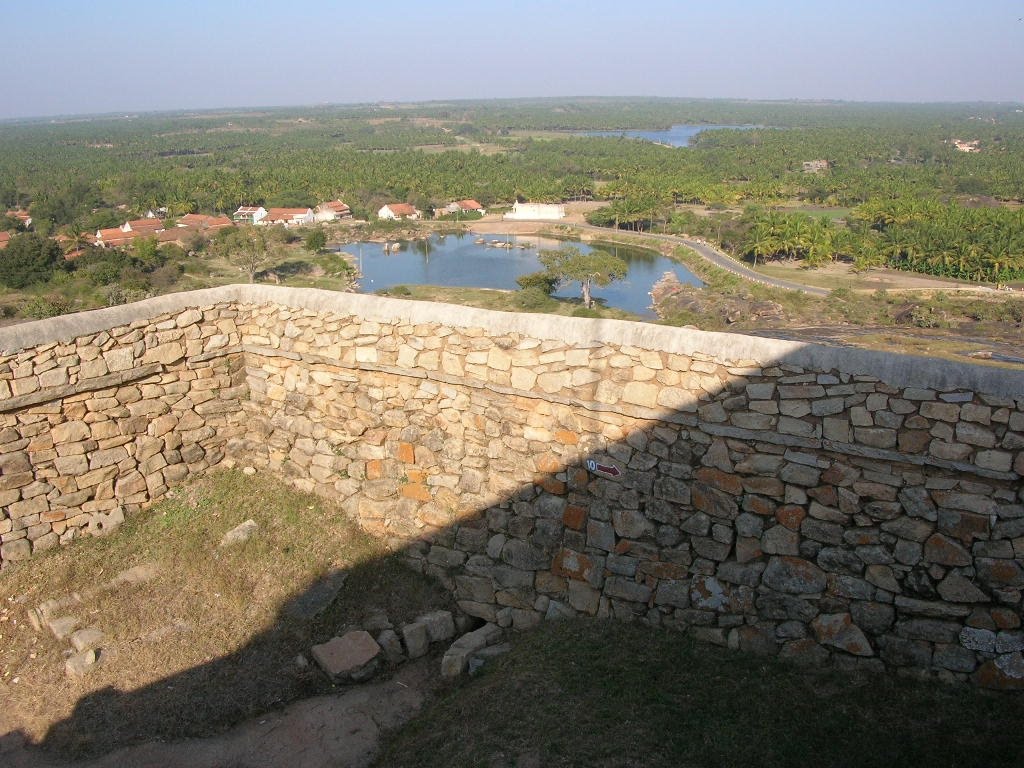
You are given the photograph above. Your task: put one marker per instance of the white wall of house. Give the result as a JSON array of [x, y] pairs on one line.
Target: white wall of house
[[543, 211]]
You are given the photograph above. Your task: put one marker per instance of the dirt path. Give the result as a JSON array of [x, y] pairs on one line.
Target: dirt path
[[335, 731]]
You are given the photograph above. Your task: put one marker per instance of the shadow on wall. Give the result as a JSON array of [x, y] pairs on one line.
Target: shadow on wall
[[730, 517], [784, 508]]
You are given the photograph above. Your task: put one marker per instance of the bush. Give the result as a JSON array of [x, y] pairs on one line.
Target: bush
[[116, 294], [543, 281], [29, 258], [534, 300], [41, 307]]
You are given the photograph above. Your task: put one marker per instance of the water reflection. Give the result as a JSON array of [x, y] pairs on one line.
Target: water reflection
[[495, 261]]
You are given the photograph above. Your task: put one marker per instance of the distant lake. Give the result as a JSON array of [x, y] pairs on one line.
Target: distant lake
[[676, 136], [463, 261]]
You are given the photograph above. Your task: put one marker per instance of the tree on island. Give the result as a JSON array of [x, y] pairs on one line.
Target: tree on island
[[568, 265], [245, 247]]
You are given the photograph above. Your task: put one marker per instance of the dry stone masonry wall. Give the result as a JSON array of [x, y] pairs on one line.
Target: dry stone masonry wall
[[105, 415], [825, 505]]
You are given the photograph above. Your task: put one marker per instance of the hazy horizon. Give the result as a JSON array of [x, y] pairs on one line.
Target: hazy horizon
[[64, 58]]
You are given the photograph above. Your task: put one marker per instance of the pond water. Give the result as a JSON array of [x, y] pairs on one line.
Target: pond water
[[485, 261], [676, 136]]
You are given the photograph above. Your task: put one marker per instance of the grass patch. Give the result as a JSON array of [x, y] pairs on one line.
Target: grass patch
[[590, 693], [208, 642], [505, 301]]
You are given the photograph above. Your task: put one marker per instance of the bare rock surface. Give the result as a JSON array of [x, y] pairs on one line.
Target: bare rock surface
[[335, 731]]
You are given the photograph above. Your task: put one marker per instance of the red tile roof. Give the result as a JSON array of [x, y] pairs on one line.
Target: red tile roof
[[337, 206], [114, 236], [401, 209], [5, 238], [144, 225], [202, 221], [470, 205], [280, 213]]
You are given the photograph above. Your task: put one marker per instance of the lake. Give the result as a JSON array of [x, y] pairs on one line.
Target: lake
[[676, 136], [461, 260]]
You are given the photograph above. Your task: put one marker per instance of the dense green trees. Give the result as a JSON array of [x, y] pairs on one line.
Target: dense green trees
[[84, 175], [29, 258], [946, 240]]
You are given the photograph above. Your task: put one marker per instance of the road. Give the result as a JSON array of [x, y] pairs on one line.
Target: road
[[720, 260]]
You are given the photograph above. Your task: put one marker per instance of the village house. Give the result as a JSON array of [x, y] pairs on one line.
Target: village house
[[462, 206], [249, 214], [542, 211], [113, 237], [5, 238], [22, 216], [143, 226], [966, 146], [815, 166], [396, 211], [287, 217], [332, 211]]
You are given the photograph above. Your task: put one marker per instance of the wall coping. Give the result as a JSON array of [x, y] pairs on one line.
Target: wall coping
[[730, 349]]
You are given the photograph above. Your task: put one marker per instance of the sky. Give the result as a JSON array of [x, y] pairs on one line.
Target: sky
[[62, 57]]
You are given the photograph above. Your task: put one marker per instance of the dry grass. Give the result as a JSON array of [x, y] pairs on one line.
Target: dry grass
[[207, 642]]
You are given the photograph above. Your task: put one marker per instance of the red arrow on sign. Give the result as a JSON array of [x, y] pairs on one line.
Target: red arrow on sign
[[604, 469]]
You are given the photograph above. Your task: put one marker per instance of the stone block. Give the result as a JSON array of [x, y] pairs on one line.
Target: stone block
[[348, 656], [80, 664], [416, 638], [794, 575], [440, 625]]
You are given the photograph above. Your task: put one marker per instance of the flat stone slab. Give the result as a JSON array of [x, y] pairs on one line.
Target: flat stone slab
[[87, 638], [333, 731], [239, 534], [137, 574], [80, 664], [315, 600], [346, 656], [63, 626]]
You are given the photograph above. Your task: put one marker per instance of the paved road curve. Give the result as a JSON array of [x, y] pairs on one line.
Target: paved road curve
[[719, 259]]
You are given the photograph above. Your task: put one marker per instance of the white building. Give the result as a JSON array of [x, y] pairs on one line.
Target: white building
[[394, 211], [541, 211], [250, 214], [332, 211], [288, 217]]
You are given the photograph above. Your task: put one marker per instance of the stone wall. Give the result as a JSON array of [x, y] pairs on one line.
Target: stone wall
[[101, 412], [823, 504]]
